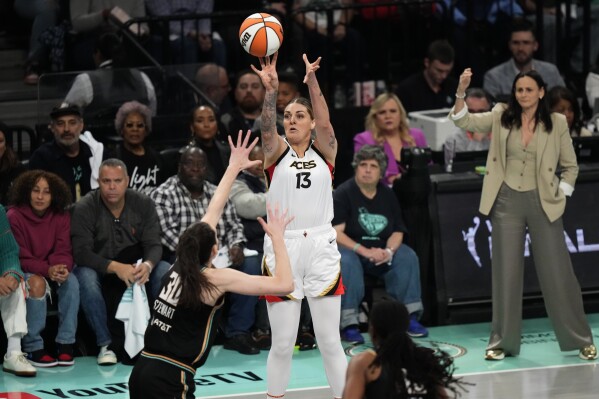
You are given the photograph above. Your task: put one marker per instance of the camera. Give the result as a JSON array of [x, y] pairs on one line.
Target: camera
[[414, 158]]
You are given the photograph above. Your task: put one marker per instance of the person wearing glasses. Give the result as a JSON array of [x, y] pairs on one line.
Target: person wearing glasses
[[111, 229], [133, 122]]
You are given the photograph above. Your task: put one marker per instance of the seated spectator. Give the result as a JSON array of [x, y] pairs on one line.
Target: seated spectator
[[523, 44], [248, 195], [12, 302], [91, 18], [72, 155], [111, 229], [370, 232], [101, 92], [41, 225], [182, 200], [190, 40], [563, 101], [10, 167], [434, 87], [477, 100], [249, 95], [204, 132], [387, 126], [318, 40], [133, 122], [44, 16], [397, 367], [213, 80]]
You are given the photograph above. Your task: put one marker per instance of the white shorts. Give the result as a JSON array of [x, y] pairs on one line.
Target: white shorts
[[315, 262]]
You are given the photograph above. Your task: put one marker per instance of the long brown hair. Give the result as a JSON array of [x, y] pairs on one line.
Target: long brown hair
[[193, 253], [404, 126], [20, 192], [9, 159]]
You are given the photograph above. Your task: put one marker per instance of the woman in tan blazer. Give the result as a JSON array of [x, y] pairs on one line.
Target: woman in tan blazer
[[522, 192]]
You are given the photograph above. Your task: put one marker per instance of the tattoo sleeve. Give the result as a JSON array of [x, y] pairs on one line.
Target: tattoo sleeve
[[269, 118]]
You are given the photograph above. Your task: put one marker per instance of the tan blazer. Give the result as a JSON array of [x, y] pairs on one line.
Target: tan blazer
[[553, 148]]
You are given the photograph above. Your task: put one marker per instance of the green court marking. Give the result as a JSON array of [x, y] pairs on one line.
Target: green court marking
[[230, 373]]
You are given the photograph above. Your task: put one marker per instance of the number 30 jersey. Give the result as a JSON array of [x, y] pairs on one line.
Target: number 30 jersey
[[303, 186]]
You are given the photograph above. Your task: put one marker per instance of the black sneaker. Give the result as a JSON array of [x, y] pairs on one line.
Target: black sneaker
[[305, 339], [262, 338], [242, 343], [41, 358], [65, 355]]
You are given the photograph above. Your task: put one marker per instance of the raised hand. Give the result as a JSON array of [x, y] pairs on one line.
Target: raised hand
[[277, 221], [311, 68], [240, 153], [268, 72], [465, 79]]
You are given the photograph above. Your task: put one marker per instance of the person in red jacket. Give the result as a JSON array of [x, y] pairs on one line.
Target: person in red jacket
[[41, 226]]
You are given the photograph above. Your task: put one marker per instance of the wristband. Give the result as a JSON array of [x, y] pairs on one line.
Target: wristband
[[355, 248], [147, 264], [460, 97]]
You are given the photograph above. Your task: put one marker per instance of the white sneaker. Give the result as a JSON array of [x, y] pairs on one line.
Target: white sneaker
[[106, 357], [18, 365]]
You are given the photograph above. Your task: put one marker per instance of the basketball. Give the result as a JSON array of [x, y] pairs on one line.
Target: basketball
[[261, 34]]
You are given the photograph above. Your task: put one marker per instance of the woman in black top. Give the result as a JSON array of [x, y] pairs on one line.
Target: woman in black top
[[397, 368], [184, 316], [10, 167]]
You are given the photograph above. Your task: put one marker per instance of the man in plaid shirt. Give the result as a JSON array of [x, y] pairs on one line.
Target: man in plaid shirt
[[182, 200]]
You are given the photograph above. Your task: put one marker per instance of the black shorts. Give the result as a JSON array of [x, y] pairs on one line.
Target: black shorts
[[152, 378]]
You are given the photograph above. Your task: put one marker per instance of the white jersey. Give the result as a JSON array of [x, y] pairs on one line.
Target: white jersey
[[304, 186]]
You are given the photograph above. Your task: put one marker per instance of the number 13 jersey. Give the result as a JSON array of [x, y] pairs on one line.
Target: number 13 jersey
[[303, 186]]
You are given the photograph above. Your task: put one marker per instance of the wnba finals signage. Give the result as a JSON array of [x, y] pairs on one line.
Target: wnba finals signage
[[464, 240]]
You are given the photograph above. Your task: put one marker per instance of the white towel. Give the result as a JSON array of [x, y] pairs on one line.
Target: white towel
[[134, 312]]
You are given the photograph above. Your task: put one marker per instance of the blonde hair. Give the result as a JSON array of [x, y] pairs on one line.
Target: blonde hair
[[404, 127]]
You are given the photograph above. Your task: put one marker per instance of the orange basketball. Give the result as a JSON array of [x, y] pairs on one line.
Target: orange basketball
[[261, 34]]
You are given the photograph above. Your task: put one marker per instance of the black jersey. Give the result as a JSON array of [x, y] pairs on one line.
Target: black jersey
[[177, 334]]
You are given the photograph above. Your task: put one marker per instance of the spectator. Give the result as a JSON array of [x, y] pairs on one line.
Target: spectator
[[12, 302], [319, 41], [249, 95], [213, 80], [134, 123], [592, 86], [523, 44], [563, 101], [434, 87], [44, 16], [204, 130], [111, 229], [10, 167], [90, 19], [72, 155], [41, 225], [181, 201], [477, 101], [396, 367], [387, 126], [370, 232], [190, 40], [101, 92]]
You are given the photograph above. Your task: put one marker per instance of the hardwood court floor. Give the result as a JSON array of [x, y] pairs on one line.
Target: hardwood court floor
[[541, 371]]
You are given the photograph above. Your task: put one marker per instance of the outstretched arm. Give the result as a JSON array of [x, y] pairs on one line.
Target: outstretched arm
[[325, 135], [238, 161], [271, 141], [231, 280]]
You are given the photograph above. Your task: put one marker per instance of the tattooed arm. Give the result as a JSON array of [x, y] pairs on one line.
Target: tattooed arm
[[271, 141], [325, 135]]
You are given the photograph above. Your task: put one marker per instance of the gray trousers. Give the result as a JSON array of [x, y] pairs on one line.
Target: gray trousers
[[512, 213]]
